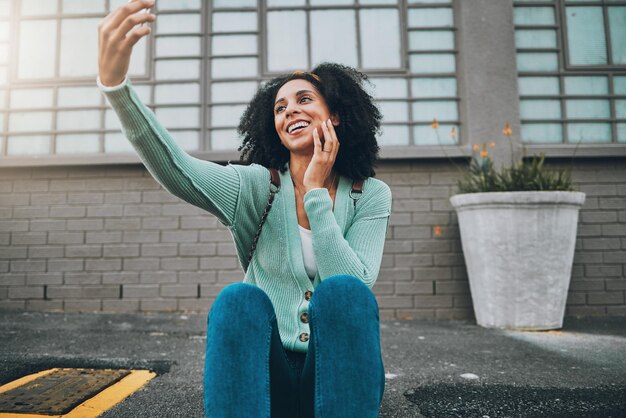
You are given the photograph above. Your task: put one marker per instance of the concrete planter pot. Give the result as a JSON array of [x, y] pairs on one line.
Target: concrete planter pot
[[519, 249]]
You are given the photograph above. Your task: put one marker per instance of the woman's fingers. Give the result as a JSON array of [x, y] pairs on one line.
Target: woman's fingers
[[115, 18], [317, 142], [331, 143], [131, 22]]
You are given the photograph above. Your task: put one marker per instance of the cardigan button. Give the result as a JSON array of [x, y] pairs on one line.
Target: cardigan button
[[304, 337], [308, 294], [304, 317]]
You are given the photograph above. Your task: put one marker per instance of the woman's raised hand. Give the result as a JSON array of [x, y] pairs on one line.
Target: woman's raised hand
[[117, 34], [324, 156]]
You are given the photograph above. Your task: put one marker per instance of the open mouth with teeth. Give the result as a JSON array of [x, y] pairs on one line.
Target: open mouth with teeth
[[297, 127]]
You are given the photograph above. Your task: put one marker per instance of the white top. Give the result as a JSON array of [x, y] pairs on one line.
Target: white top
[[310, 264]]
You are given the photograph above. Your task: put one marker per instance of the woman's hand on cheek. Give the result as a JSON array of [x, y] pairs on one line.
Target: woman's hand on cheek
[[324, 156]]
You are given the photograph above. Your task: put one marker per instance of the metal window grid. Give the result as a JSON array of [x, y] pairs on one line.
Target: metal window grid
[[564, 70], [205, 81]]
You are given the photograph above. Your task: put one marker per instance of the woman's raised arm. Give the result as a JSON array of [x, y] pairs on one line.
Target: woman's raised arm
[[207, 185]]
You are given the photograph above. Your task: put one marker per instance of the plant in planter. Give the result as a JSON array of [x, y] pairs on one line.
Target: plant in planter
[[518, 232]]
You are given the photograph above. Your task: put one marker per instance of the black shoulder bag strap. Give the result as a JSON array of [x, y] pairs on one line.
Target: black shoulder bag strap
[[355, 194], [274, 188]]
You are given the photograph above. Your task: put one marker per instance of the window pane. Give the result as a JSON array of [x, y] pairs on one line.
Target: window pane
[[276, 3], [177, 46], [37, 46], [426, 135], [117, 143], [334, 37], [39, 7], [286, 52], [234, 45], [234, 21], [620, 108], [380, 38], [178, 23], [234, 3], [539, 86], [428, 1], [432, 63], [589, 132], [177, 69], [78, 96], [37, 98], [542, 133], [4, 31], [28, 145], [394, 135], [179, 117], [82, 6], [330, 2], [111, 121], [586, 85], [177, 93], [233, 92], [430, 17], [588, 109], [378, 1], [188, 140], [138, 59], [4, 53], [179, 4], [621, 132], [30, 121], [427, 111], [423, 40], [537, 61], [619, 85], [226, 116], [78, 120], [114, 4], [585, 36], [234, 67], [79, 47], [77, 144], [617, 26], [540, 109], [544, 38], [224, 139], [388, 88], [5, 8], [534, 16], [433, 87], [394, 111]]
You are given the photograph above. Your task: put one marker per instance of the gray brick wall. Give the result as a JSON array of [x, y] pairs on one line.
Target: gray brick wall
[[109, 238]]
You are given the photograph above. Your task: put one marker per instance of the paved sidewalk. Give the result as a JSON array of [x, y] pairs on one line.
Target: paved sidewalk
[[434, 368]]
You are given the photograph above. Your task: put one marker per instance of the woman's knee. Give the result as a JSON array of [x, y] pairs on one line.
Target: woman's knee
[[239, 301], [338, 290]]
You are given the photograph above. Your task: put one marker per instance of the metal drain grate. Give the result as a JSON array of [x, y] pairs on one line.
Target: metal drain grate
[[58, 392]]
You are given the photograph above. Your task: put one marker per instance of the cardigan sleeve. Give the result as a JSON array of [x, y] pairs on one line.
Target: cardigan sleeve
[[360, 252], [208, 185]]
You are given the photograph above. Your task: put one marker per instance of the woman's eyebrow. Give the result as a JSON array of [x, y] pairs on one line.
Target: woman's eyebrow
[[298, 93]]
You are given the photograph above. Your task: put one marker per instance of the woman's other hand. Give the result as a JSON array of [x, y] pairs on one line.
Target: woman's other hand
[[117, 34], [324, 156]]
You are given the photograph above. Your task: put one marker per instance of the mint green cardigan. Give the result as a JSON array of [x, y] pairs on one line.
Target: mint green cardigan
[[346, 239]]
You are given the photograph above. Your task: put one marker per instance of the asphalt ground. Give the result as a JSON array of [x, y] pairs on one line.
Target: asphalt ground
[[434, 368]]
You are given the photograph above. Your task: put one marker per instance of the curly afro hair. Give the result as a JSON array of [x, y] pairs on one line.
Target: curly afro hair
[[342, 88]]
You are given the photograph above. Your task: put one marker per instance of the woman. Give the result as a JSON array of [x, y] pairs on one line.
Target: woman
[[300, 336]]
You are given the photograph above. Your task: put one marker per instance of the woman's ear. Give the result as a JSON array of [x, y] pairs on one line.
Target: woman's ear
[[335, 119]]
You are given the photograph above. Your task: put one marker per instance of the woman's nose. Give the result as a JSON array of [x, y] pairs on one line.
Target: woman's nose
[[291, 108]]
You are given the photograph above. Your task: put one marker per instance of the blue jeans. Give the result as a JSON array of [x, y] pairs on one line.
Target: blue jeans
[[248, 373]]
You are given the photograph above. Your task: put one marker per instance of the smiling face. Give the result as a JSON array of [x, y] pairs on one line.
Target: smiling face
[[298, 109]]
